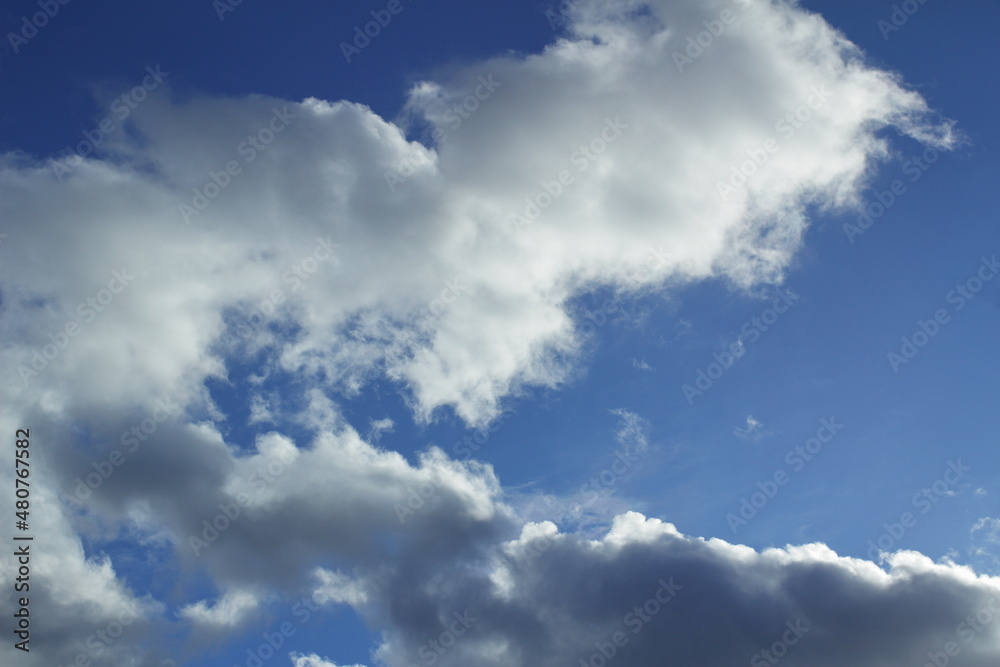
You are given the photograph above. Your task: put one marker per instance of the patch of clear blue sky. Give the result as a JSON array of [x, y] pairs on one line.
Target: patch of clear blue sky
[[825, 357]]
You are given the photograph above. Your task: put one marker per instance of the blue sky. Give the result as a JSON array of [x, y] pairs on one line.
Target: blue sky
[[549, 359]]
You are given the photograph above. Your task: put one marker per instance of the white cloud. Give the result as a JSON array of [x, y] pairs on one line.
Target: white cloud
[[378, 427], [299, 660], [260, 411], [445, 234], [307, 259], [339, 588], [633, 431], [753, 429], [985, 544], [229, 611], [641, 365]]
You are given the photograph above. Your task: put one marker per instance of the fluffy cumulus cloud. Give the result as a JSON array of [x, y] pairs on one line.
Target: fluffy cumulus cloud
[[644, 591], [601, 161], [319, 241]]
